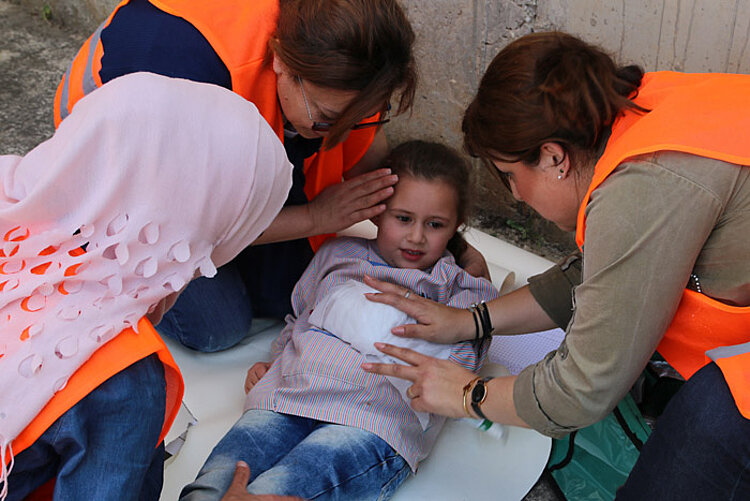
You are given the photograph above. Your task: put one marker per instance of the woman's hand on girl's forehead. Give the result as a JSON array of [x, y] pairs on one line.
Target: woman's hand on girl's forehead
[[357, 199]]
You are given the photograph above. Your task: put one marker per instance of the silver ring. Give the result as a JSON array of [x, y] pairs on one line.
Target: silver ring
[[408, 293]]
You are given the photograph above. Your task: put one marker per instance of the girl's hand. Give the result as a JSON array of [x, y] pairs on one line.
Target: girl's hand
[[438, 385], [437, 323], [254, 374], [344, 204], [238, 488]]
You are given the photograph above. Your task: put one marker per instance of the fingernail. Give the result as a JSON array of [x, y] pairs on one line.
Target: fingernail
[[366, 366], [397, 330], [380, 346]]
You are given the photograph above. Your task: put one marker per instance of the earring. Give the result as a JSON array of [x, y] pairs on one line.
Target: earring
[[560, 176]]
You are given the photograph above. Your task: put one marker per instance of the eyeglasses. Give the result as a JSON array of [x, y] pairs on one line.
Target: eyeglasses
[[327, 126]]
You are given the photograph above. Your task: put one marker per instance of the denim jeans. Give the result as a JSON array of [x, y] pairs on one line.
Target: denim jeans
[[211, 314], [700, 448], [104, 447], [214, 314], [297, 456]]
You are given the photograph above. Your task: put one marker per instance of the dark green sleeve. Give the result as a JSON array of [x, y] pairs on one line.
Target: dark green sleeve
[[553, 289]]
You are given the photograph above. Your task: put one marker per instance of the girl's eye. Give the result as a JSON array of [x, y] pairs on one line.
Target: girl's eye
[[403, 219], [435, 225]]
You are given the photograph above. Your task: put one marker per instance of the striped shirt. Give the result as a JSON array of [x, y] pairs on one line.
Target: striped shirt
[[318, 376]]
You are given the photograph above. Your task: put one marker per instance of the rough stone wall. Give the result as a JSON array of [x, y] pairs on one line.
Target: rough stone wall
[[681, 35], [456, 39]]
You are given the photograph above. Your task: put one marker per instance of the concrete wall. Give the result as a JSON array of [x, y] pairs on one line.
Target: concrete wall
[[682, 35], [458, 38]]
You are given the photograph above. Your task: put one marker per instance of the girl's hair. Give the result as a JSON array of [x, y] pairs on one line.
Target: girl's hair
[[547, 87], [436, 162], [360, 45]]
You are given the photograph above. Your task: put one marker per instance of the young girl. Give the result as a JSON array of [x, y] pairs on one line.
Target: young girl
[[316, 425]]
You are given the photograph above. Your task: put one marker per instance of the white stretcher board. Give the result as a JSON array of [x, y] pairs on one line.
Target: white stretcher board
[[465, 464]]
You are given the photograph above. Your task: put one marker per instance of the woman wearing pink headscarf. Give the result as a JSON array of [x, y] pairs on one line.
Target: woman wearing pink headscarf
[[149, 183]]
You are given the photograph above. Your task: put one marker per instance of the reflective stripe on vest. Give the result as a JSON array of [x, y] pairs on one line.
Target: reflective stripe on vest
[[88, 82], [80, 80], [734, 362], [699, 114]]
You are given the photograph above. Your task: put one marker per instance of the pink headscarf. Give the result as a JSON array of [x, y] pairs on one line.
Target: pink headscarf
[[159, 179]]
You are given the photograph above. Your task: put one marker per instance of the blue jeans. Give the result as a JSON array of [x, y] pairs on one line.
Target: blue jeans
[[104, 447], [297, 456], [700, 448], [214, 314], [211, 314]]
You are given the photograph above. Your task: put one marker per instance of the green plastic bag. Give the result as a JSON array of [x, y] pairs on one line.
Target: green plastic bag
[[591, 463]]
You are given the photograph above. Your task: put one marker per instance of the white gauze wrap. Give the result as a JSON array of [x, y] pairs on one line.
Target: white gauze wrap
[[160, 179], [346, 313]]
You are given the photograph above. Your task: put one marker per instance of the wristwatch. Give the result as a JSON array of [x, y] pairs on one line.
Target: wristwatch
[[479, 395]]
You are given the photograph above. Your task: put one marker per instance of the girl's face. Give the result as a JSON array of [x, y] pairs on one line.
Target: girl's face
[[420, 218]]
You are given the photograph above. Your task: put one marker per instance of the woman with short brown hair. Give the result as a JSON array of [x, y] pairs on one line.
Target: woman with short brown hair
[[652, 172]]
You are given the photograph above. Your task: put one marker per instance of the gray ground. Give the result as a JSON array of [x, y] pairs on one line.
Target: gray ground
[[34, 54]]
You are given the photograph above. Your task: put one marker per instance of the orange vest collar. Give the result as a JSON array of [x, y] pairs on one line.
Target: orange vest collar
[[694, 113]]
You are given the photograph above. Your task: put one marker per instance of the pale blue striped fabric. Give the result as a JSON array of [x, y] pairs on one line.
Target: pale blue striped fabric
[[316, 375]]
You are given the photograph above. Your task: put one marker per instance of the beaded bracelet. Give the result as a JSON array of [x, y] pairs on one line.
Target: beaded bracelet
[[481, 316]]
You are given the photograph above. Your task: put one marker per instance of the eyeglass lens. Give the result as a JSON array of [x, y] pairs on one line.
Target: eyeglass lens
[[327, 126]]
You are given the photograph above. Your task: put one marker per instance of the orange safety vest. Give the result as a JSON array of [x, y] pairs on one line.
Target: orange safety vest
[[238, 30], [706, 115], [122, 351]]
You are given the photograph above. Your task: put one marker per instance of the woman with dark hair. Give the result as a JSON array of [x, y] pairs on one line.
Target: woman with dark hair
[[651, 171], [322, 73]]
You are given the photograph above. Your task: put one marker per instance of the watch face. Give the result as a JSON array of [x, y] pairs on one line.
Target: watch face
[[477, 394]]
